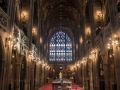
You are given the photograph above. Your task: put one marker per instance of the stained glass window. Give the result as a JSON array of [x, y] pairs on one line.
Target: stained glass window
[[60, 47]]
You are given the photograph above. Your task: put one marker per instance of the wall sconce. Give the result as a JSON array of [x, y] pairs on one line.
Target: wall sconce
[[41, 40], [92, 55], [115, 41], [34, 32], [74, 66], [23, 16], [9, 41], [81, 40], [99, 15], [30, 55]]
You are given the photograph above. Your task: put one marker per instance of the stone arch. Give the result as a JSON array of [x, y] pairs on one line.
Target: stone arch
[[55, 37]]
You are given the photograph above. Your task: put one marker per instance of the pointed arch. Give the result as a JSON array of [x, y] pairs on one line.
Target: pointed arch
[[60, 47]]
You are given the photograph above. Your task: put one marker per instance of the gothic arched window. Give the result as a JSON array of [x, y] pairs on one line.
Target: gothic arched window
[[60, 47]]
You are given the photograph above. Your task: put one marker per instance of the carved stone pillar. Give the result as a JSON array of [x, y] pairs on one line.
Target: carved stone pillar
[[18, 70], [90, 74], [42, 76], [85, 77], [92, 24], [37, 76], [80, 77], [32, 67], [27, 77], [6, 67], [11, 13], [106, 71], [95, 72], [117, 64], [30, 24], [112, 13]]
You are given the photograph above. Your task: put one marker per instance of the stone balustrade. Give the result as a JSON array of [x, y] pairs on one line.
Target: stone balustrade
[[23, 41]]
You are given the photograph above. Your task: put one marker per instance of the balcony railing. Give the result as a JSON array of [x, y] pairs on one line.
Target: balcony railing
[[3, 19], [23, 42], [107, 32], [99, 38], [118, 20], [19, 34]]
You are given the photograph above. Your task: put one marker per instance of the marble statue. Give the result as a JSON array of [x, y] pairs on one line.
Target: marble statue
[[60, 75]]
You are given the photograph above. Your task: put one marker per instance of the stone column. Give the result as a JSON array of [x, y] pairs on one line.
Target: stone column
[[95, 72], [113, 21], [6, 67], [92, 24], [11, 14], [90, 74], [117, 64], [32, 67], [28, 72], [106, 71], [42, 76], [85, 77], [37, 76], [79, 77], [18, 70], [40, 83], [30, 24], [80, 70]]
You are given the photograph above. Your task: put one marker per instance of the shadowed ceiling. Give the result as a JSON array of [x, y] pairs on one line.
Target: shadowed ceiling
[[60, 13]]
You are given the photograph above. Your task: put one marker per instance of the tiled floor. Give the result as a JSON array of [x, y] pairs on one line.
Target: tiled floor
[[49, 87]]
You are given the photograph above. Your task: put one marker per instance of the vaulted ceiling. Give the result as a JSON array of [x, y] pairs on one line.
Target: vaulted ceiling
[[60, 13]]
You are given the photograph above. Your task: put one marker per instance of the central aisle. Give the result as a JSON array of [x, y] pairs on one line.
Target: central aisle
[[49, 87]]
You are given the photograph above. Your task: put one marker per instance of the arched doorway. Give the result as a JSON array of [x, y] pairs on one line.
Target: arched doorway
[[23, 74]]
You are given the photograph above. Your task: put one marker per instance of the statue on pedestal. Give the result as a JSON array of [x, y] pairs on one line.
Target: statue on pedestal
[[60, 75]]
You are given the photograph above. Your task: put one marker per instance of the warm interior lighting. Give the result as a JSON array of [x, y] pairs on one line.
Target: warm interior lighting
[[40, 40], [99, 15], [24, 15], [34, 32], [13, 56], [88, 31], [115, 36], [81, 40], [76, 46]]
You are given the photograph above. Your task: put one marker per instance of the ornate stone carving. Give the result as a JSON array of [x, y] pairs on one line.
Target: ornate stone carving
[[108, 31], [16, 32], [22, 52], [99, 39]]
